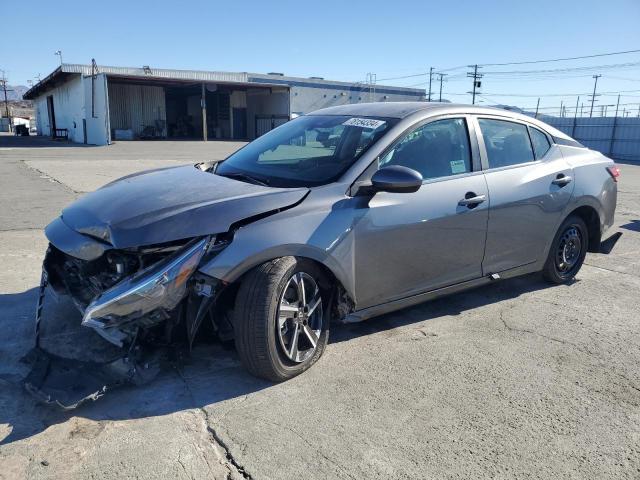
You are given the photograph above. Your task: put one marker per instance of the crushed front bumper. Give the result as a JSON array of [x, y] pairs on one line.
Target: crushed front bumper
[[68, 383]]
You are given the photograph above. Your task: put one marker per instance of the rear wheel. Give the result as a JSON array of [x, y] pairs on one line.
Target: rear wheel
[[567, 251], [281, 318]]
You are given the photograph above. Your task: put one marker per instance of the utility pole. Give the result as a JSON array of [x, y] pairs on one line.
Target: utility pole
[[6, 102], [581, 109], [575, 117], [613, 128], [441, 75], [430, 78], [537, 107], [371, 80], [638, 110], [476, 81], [561, 108], [593, 97]]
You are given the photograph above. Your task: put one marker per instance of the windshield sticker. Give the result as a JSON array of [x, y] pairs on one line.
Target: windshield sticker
[[458, 166], [364, 123]]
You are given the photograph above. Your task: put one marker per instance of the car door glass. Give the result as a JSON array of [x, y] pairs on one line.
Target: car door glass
[[436, 149], [507, 143], [540, 142]]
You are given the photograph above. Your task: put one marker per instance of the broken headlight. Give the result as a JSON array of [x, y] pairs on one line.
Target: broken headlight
[[159, 287]]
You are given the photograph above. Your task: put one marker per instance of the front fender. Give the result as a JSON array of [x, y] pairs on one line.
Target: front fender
[[313, 230]]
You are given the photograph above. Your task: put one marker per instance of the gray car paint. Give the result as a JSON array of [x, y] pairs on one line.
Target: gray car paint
[[170, 204], [346, 233], [526, 207], [386, 250]]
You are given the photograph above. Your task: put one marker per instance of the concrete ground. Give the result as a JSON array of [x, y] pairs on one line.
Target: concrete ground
[[514, 380]]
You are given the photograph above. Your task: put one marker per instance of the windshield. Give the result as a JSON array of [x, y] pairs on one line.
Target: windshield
[[308, 151]]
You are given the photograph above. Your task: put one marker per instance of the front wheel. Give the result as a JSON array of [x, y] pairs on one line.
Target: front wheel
[[567, 251], [281, 319]]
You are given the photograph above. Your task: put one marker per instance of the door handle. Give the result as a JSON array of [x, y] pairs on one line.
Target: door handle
[[471, 200], [561, 180]]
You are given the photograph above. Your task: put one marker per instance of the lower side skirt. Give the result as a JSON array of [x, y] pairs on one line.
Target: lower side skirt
[[366, 313]]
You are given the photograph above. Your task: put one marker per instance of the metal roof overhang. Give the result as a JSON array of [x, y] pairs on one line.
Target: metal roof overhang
[[146, 77], [55, 78], [163, 81]]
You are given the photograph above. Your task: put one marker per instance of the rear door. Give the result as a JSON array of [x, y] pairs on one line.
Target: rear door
[[529, 183]]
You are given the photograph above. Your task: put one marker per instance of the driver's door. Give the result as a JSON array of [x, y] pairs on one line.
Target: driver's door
[[408, 243]]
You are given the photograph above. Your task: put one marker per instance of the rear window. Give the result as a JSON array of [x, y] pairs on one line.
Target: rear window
[[540, 142]]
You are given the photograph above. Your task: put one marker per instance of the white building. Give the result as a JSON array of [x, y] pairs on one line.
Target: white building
[[98, 104]]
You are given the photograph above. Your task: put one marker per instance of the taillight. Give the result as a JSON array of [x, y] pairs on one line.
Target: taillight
[[614, 172]]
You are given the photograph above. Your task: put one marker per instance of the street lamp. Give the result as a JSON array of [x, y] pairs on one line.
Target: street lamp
[[59, 53]]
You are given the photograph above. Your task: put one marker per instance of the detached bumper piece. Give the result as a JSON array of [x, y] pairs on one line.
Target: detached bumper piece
[[127, 309], [67, 383]]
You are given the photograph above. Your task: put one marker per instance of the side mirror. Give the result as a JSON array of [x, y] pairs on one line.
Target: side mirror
[[396, 179]]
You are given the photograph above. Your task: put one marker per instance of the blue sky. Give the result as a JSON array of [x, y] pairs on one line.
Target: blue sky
[[341, 40]]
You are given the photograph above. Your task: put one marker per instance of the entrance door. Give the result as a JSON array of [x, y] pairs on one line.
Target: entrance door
[[239, 123], [52, 116], [409, 243]]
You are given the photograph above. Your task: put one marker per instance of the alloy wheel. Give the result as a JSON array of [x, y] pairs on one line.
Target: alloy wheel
[[300, 317]]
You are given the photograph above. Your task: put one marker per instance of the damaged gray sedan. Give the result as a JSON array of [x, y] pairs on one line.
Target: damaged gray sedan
[[340, 215]]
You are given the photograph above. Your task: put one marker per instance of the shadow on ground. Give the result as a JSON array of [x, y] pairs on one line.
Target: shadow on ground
[[11, 141], [212, 374], [633, 225]]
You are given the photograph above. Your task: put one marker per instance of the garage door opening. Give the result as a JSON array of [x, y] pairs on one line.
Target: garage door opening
[[194, 111]]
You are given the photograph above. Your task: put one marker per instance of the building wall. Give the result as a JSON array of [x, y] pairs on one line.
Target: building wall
[[97, 113], [308, 99], [68, 106], [136, 106]]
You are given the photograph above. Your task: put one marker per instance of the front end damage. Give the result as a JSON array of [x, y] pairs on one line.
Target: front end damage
[[148, 301]]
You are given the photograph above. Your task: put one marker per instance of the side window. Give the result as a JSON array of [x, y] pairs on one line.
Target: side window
[[436, 149], [540, 142], [507, 143]]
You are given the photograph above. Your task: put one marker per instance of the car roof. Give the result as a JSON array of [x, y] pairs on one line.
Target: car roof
[[404, 109]]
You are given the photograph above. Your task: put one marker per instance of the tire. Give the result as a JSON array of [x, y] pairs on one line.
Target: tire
[[268, 294], [567, 251]]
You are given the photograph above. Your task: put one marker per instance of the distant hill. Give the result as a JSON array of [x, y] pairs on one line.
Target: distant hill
[[16, 94]]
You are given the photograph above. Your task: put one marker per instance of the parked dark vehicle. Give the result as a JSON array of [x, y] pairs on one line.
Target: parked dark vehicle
[[337, 216], [21, 131]]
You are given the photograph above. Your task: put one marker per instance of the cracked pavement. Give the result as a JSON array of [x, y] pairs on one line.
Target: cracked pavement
[[514, 380]]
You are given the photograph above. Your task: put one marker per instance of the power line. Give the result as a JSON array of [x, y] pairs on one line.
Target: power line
[[560, 59], [532, 95], [529, 72], [403, 77], [566, 69]]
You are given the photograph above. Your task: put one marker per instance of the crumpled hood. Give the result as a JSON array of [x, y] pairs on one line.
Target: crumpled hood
[[169, 204]]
